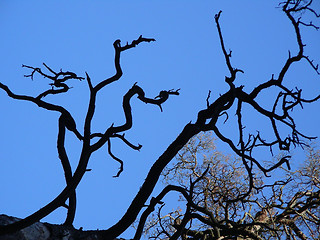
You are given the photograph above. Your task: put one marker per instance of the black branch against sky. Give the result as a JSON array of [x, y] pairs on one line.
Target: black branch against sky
[[207, 119], [66, 121]]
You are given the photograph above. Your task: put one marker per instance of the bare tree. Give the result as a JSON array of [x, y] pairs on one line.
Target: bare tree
[[209, 181], [245, 145]]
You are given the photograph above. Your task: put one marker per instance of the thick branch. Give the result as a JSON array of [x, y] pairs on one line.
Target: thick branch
[[152, 178], [67, 171]]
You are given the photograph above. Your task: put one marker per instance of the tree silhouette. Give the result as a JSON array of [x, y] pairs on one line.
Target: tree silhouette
[[244, 145], [209, 181]]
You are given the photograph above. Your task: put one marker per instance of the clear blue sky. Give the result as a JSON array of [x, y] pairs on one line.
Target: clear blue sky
[[78, 36]]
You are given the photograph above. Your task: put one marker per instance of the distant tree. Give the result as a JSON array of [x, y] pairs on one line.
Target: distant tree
[[210, 183], [244, 144]]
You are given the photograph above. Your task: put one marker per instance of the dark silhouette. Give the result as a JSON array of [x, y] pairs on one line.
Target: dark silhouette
[[207, 120], [209, 182]]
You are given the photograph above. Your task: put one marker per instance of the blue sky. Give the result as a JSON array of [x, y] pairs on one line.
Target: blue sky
[[78, 36]]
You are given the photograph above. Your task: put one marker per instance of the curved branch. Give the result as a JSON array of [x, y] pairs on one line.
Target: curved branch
[[115, 158], [57, 78], [127, 142], [72, 184], [67, 171], [118, 49], [163, 96], [68, 119]]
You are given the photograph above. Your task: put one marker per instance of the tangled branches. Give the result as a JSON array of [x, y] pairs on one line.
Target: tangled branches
[[209, 181], [224, 222]]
